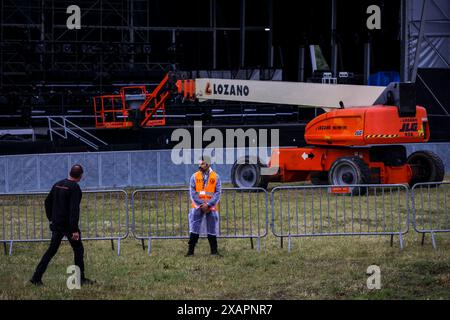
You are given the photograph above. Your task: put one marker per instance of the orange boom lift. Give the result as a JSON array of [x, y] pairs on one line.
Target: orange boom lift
[[359, 140], [362, 142]]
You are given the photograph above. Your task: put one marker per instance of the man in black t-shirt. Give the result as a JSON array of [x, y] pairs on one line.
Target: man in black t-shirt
[[62, 207]]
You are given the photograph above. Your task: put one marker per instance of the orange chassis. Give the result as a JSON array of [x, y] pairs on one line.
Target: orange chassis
[[299, 164], [369, 133]]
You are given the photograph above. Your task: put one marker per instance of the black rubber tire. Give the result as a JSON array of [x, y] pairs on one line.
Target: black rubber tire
[[427, 166], [255, 179], [359, 174]]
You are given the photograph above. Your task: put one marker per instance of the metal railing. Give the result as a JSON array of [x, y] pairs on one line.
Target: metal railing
[[430, 209], [82, 135], [312, 211], [163, 214], [297, 211], [103, 216]]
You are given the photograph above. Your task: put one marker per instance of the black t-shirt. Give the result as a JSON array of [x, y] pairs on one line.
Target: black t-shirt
[[62, 206]]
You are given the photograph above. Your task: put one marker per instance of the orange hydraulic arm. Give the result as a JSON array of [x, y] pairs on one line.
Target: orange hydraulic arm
[[154, 102]]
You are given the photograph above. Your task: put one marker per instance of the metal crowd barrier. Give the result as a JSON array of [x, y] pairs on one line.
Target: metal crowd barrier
[[163, 214], [297, 211], [103, 216], [312, 211], [430, 209]]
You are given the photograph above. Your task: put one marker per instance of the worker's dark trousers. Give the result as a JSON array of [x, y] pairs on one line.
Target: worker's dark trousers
[[57, 236]]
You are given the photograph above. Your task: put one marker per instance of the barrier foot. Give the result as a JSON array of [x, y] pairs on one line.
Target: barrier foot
[[149, 247], [392, 240], [5, 248], [118, 247], [289, 244], [423, 238], [281, 242], [112, 245], [251, 243], [433, 240], [10, 248], [143, 245]]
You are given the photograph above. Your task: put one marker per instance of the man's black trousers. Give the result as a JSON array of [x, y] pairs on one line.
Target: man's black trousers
[[57, 236]]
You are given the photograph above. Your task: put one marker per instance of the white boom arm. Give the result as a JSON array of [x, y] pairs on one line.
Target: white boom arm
[[292, 93]]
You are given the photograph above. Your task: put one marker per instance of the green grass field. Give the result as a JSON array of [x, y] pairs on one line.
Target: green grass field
[[316, 268], [320, 268]]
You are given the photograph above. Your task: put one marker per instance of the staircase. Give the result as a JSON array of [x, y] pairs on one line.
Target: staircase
[[65, 128]]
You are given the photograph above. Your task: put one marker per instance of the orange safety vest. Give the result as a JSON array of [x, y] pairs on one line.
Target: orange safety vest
[[206, 193]]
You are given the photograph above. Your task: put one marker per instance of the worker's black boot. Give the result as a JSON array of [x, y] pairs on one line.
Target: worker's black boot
[[193, 238], [36, 282], [213, 244]]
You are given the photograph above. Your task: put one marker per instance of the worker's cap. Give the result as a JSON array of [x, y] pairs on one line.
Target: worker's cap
[[205, 159], [76, 171]]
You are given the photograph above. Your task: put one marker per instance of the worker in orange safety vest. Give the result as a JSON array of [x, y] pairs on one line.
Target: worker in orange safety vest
[[205, 192]]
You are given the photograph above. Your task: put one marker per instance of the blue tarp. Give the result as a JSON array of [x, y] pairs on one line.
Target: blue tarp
[[383, 78]]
